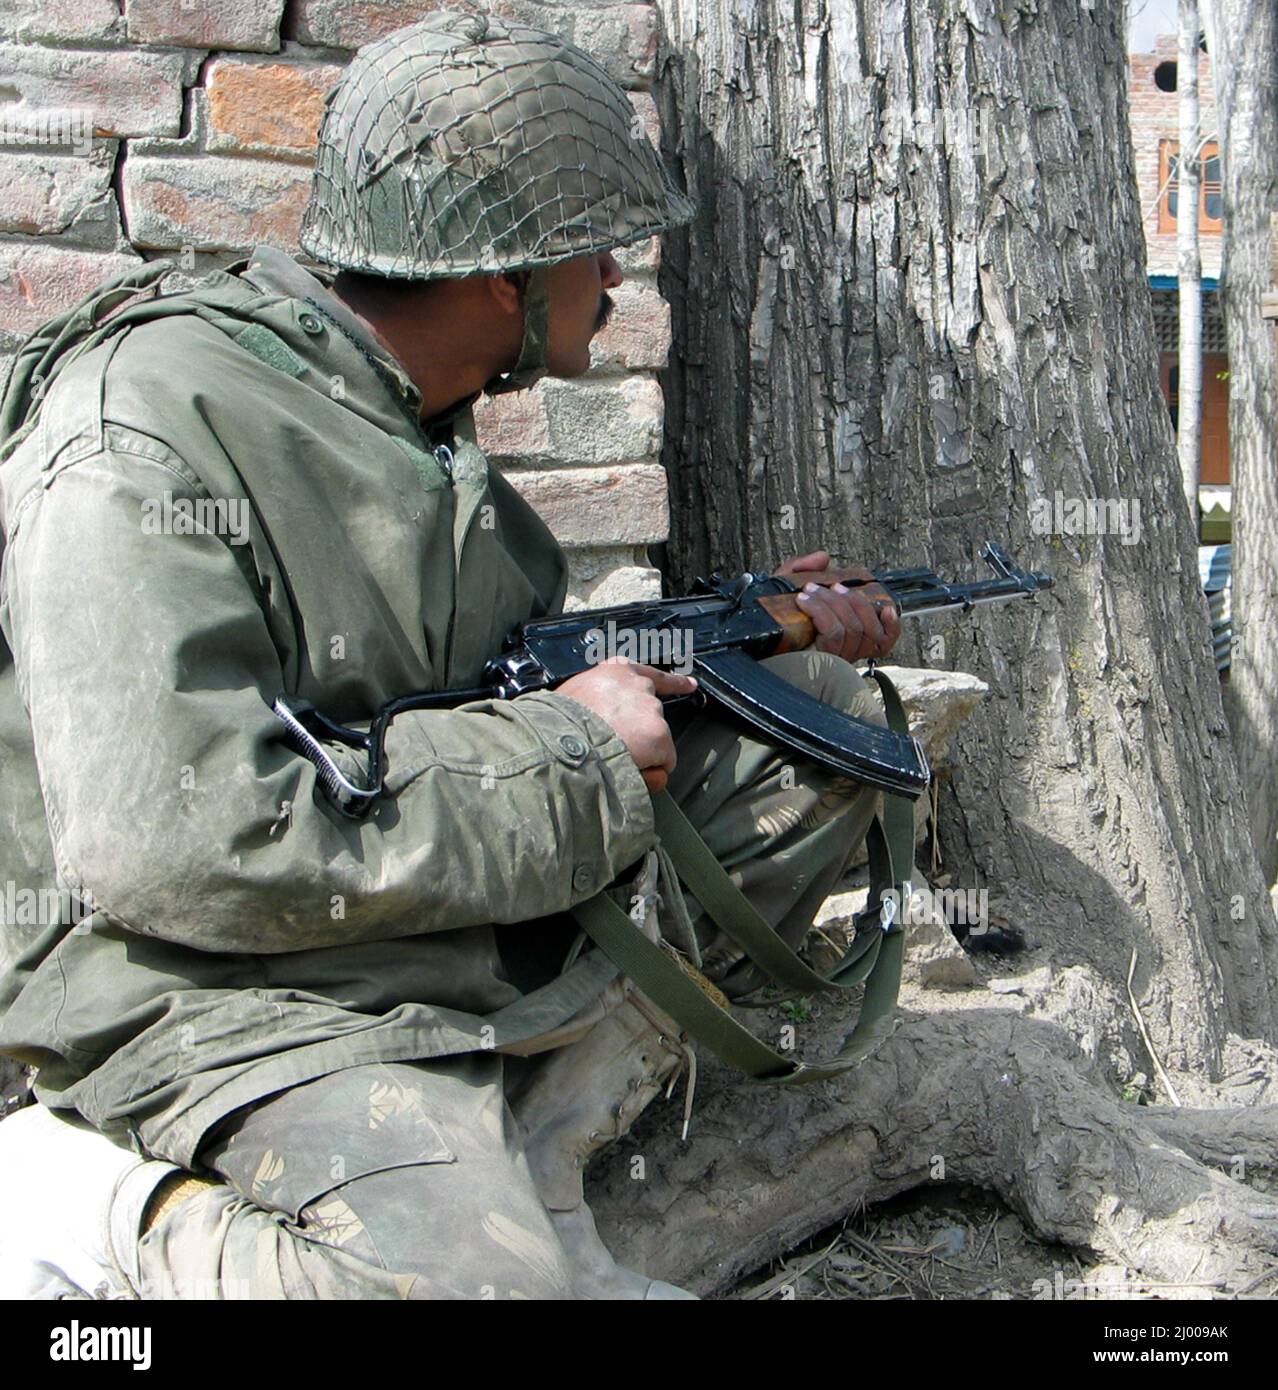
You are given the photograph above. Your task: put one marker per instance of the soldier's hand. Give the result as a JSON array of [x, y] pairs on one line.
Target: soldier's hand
[[628, 697], [854, 622]]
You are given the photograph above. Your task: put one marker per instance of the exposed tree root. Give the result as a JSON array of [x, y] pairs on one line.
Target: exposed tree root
[[1237, 1141], [978, 1096]]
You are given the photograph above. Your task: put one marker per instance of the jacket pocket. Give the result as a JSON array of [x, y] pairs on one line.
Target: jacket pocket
[[299, 1146]]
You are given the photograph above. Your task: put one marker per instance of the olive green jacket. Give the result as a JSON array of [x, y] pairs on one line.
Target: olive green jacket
[[244, 936]]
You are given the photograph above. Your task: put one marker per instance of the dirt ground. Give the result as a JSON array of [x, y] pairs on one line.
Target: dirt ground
[[945, 1243]]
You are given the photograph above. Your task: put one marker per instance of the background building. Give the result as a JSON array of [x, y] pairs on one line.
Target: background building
[[1155, 124]]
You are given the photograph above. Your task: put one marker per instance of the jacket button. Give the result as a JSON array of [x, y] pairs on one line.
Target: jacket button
[[583, 878], [573, 746], [310, 324]]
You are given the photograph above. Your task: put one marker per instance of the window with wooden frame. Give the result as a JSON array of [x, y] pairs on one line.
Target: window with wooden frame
[[1208, 186]]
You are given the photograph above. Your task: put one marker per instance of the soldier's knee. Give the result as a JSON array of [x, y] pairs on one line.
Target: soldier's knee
[[831, 680], [394, 1180]]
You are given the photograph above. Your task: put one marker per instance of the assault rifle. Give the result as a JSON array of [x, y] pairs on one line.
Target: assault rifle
[[726, 625]]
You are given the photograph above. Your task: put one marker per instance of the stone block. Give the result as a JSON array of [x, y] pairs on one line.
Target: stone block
[[621, 37], [213, 203], [48, 193], [243, 24], [599, 506], [125, 92]]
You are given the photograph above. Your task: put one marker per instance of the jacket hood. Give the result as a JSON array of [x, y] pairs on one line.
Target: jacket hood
[[47, 351], [130, 298], [135, 297]]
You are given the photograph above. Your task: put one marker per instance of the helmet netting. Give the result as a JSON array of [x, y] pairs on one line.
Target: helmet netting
[[464, 145]]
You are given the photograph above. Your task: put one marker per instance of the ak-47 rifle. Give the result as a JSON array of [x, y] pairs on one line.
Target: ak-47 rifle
[[726, 626]]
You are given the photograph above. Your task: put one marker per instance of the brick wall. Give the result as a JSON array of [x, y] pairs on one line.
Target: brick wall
[[1154, 118], [186, 128]]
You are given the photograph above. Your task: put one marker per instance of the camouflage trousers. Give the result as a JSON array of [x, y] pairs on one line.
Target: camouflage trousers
[[410, 1180]]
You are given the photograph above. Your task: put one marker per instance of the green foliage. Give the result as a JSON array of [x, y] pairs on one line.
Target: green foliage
[[797, 1010]]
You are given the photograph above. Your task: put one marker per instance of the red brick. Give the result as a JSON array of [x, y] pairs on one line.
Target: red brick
[[60, 20], [245, 24], [213, 203], [267, 106], [643, 256], [352, 23], [37, 282], [514, 425], [591, 422], [47, 193], [600, 506], [126, 93]]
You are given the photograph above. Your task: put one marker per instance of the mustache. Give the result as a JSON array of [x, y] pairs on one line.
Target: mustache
[[606, 306]]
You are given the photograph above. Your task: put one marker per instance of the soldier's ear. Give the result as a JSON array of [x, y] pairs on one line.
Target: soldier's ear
[[508, 290]]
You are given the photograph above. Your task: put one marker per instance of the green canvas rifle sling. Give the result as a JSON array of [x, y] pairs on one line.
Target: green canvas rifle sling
[[873, 958]]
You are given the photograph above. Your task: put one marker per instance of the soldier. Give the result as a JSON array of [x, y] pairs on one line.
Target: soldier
[[284, 1053]]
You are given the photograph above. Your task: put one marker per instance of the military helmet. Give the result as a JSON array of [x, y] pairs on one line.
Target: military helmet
[[465, 145]]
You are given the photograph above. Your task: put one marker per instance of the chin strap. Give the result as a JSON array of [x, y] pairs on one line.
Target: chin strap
[[531, 366]]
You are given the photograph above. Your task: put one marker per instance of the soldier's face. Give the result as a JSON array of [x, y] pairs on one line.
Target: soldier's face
[[579, 308]]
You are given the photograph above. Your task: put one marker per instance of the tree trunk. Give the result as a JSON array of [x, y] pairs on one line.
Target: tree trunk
[[1246, 67], [911, 314], [1189, 389]]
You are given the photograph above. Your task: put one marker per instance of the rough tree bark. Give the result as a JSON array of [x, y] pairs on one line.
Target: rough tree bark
[[1245, 55], [912, 314]]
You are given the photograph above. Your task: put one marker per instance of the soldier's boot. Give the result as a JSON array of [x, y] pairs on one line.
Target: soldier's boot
[[582, 1098]]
